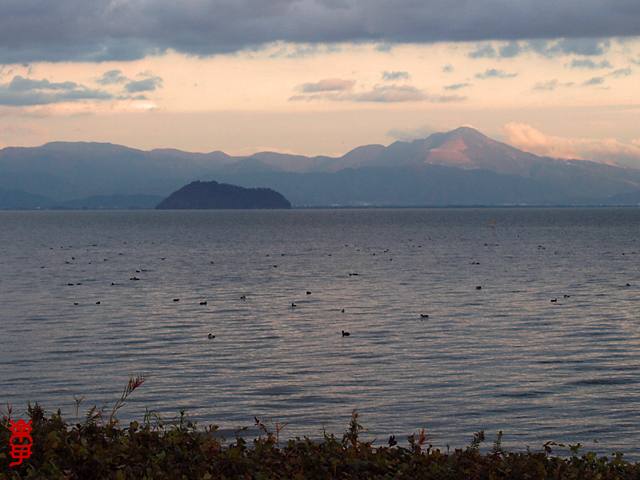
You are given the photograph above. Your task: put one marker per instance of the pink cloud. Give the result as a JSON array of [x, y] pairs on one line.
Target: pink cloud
[[603, 150]]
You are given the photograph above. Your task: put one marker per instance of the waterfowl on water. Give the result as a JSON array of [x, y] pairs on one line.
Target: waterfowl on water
[[554, 300], [203, 302], [211, 336], [424, 315], [243, 297], [345, 334], [176, 299], [293, 305]]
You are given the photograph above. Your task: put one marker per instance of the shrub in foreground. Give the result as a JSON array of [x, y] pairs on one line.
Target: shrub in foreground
[[100, 448]]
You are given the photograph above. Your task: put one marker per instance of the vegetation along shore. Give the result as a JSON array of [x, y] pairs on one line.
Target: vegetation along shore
[[99, 446]]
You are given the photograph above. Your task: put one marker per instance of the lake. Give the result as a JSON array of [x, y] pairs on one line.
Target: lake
[[547, 349]]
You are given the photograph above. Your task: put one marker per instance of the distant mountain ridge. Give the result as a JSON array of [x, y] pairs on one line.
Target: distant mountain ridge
[[459, 167], [20, 200]]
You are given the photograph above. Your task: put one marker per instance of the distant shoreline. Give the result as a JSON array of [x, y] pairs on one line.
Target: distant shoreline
[[329, 207]]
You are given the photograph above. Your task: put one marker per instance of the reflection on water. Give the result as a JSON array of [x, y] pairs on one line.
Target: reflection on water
[[503, 357]]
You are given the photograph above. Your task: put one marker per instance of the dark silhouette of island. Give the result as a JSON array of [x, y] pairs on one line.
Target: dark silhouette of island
[[213, 195]]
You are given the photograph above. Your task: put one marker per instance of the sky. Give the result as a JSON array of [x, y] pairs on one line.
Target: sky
[[559, 78]]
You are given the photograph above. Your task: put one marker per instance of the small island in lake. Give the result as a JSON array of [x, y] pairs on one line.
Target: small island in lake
[[214, 195]]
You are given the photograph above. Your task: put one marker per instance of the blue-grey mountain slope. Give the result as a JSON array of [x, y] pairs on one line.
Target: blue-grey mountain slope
[[460, 167]]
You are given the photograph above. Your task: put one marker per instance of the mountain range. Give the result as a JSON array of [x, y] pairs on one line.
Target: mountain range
[[460, 167]]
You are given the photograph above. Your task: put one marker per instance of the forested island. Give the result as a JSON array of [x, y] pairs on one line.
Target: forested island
[[213, 195]]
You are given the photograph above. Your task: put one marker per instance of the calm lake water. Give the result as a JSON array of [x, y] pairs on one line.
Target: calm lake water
[[503, 357]]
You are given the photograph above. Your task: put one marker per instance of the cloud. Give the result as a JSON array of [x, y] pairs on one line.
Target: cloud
[[148, 84], [572, 46], [551, 85], [605, 150], [621, 72], [22, 84], [81, 30], [391, 94], [395, 75], [494, 73], [511, 49], [507, 50], [112, 77], [589, 64], [406, 135], [483, 51], [457, 86], [593, 81], [21, 92], [327, 85], [304, 50], [385, 47], [546, 48], [380, 94]]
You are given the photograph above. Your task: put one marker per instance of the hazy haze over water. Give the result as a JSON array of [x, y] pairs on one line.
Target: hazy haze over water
[[501, 358]]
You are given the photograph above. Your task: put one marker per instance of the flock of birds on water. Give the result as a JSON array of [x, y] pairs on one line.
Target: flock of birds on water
[[344, 333], [211, 336]]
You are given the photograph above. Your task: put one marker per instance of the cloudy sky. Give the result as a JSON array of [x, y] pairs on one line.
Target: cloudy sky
[[556, 77]]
